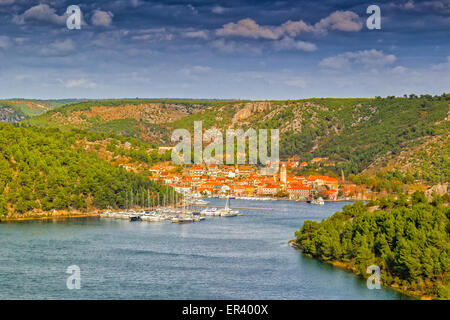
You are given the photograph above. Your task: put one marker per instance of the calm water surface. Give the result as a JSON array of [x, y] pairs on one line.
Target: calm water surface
[[243, 257]]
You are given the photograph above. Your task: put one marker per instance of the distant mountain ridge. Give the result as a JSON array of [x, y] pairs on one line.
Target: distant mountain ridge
[[15, 110]]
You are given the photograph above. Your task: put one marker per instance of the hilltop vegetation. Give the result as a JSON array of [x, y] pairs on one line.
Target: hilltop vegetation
[[43, 169], [143, 119], [354, 133], [15, 110], [428, 161], [409, 239]]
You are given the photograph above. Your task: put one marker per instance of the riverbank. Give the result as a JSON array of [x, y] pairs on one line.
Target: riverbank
[[348, 266], [58, 215]]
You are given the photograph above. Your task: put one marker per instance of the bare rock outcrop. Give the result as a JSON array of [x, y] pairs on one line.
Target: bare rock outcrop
[[439, 189], [250, 109]]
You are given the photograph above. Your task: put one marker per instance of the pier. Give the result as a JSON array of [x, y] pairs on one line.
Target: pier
[[242, 208]]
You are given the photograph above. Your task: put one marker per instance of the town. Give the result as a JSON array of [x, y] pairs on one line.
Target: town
[[247, 182]]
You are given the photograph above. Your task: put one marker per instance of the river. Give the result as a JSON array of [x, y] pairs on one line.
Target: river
[[244, 257]]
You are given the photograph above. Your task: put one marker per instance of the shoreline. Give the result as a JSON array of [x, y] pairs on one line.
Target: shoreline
[[347, 267], [49, 217], [292, 200]]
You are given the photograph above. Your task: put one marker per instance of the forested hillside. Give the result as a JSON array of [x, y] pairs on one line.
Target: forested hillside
[[43, 169], [408, 238], [353, 133]]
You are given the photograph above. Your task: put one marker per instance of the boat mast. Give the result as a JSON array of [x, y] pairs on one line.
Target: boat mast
[[173, 198], [167, 197], [226, 203], [184, 203], [132, 204]]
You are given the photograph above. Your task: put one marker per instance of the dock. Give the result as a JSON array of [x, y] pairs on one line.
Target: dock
[[242, 208]]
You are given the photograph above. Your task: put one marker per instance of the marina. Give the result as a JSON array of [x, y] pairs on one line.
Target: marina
[[186, 212]]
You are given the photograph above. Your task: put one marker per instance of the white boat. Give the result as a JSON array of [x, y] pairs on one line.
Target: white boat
[[182, 219], [318, 201], [105, 214], [153, 218], [208, 212], [124, 216], [199, 202], [227, 211]]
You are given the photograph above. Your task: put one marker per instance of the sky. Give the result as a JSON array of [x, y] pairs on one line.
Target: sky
[[247, 49]]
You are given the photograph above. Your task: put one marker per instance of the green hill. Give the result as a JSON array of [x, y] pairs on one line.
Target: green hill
[[143, 119], [45, 168], [353, 133]]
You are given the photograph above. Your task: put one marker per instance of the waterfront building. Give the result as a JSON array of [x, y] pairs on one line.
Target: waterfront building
[[299, 192]]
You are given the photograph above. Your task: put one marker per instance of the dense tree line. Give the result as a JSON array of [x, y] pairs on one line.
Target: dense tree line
[[42, 168], [355, 132], [407, 237]]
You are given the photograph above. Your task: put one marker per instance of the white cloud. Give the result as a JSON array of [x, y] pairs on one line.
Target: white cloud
[[102, 18], [200, 34], [59, 48], [6, 2], [439, 6], [23, 77], [135, 3], [78, 83], [248, 28], [192, 9], [300, 83], [442, 66], [5, 42], [294, 28], [399, 70], [290, 44], [346, 21], [154, 34], [219, 10], [42, 13], [234, 47], [366, 58], [409, 5], [21, 40], [195, 71]]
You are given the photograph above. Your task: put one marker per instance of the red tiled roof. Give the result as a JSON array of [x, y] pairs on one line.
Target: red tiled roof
[[299, 188]]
